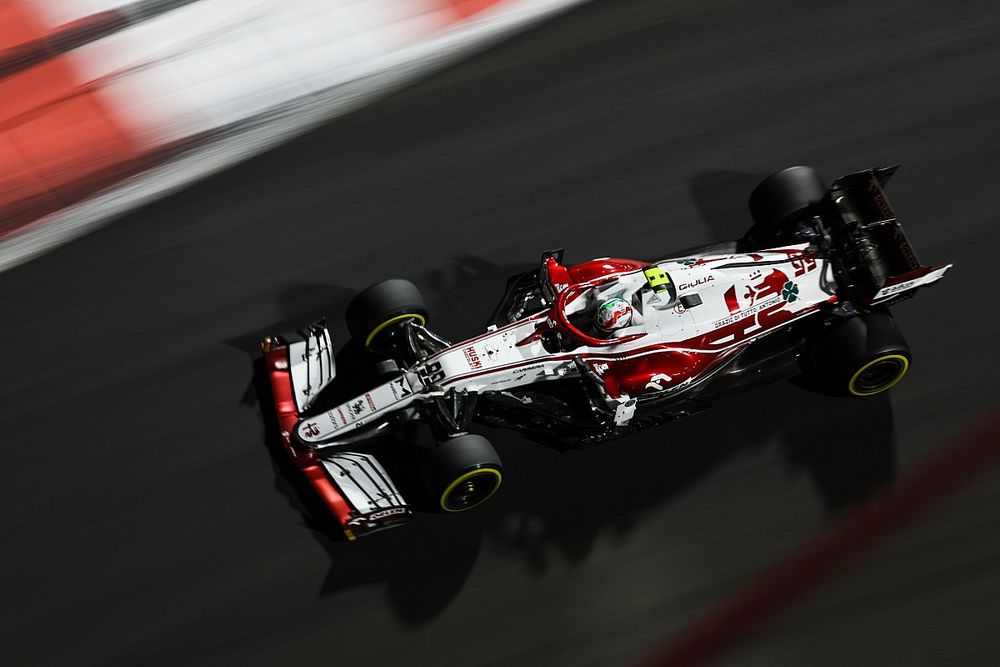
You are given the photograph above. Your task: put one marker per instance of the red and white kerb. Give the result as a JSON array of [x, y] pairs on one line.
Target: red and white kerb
[[95, 91]]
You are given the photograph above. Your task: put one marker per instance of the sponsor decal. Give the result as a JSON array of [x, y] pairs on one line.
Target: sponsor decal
[[679, 308], [472, 357], [696, 282], [521, 373], [370, 519], [310, 430], [803, 264], [879, 198], [357, 407], [340, 413], [790, 292], [400, 388], [752, 310], [371, 403], [601, 369], [892, 289], [655, 380], [766, 286], [382, 514]]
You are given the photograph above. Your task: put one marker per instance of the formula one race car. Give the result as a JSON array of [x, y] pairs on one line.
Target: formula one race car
[[575, 355]]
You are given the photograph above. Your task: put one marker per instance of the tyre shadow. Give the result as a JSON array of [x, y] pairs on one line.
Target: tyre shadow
[[554, 506]]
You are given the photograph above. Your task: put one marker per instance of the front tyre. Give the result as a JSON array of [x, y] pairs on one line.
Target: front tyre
[[864, 356], [462, 472], [374, 314]]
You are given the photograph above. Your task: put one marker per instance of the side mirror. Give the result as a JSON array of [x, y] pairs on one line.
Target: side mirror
[[552, 275]]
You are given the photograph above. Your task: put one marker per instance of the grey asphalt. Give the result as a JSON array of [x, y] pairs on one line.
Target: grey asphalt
[[145, 522]]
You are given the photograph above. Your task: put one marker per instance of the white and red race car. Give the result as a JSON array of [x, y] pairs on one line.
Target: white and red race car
[[575, 355]]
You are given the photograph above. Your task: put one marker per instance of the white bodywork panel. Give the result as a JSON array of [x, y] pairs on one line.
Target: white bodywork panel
[[362, 410], [740, 294], [892, 290], [363, 482], [311, 364]]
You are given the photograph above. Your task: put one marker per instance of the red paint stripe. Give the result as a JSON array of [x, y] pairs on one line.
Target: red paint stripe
[[316, 475], [731, 303], [278, 365], [909, 275], [820, 559]]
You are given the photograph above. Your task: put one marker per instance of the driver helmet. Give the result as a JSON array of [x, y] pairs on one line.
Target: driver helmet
[[613, 314]]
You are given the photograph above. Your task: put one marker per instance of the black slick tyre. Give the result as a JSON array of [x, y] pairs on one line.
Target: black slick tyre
[[780, 198], [462, 472], [864, 356], [372, 314]]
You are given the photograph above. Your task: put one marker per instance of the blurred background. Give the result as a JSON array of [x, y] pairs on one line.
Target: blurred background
[[178, 177]]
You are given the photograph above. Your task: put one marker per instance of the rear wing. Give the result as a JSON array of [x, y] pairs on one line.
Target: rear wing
[[880, 260]]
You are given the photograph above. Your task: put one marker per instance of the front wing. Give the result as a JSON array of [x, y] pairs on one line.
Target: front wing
[[353, 485]]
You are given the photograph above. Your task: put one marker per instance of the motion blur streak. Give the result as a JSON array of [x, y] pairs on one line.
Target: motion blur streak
[[144, 522], [105, 106], [820, 559], [78, 32]]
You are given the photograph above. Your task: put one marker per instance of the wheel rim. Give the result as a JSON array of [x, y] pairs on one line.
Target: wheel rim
[[417, 317], [470, 489], [879, 375]]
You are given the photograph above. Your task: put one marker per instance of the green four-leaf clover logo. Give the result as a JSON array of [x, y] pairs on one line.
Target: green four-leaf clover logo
[[790, 292]]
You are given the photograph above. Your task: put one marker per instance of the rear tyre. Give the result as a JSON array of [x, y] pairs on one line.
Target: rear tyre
[[780, 199], [375, 313], [864, 356], [462, 472]]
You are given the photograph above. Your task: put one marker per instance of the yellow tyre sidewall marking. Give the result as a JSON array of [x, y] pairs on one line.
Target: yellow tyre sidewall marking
[[895, 381], [389, 322], [468, 475]]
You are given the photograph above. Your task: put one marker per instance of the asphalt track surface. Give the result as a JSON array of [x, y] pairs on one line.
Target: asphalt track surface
[[145, 522]]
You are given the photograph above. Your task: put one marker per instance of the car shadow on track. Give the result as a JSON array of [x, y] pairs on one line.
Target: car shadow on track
[[559, 505], [556, 505]]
